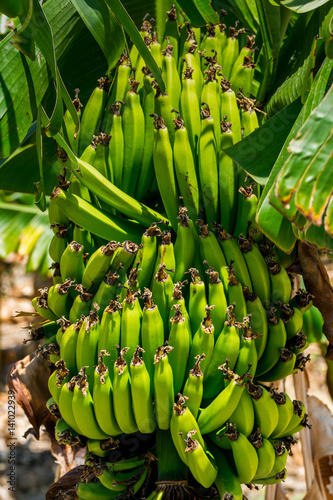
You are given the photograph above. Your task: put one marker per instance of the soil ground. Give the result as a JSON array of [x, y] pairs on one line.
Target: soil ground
[[35, 466]]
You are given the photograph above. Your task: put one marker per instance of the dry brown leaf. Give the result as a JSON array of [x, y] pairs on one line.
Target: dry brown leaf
[[28, 379]]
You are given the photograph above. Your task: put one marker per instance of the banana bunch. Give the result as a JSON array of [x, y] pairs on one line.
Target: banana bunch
[[164, 321]]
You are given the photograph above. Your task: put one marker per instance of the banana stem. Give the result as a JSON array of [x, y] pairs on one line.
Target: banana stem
[[169, 465]]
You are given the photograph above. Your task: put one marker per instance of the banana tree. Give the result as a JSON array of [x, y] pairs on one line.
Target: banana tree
[[50, 62]]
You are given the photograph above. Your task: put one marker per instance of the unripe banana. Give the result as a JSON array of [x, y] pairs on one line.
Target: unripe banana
[[242, 77], [87, 344], [247, 50], [98, 265], [162, 288], [259, 321], [211, 251], [133, 127], [164, 170], [185, 168], [193, 389], [131, 318], [266, 455], [227, 483], [285, 408], [235, 294], [121, 83], [109, 333], [92, 114], [166, 254], [282, 368], [141, 394], [103, 398], [217, 297], [178, 299], [163, 387], [81, 304], [244, 454], [229, 109], [147, 255], [280, 281], [66, 403], [68, 346], [192, 59], [246, 209], [59, 300], [247, 353], [203, 340], [230, 51], [276, 340], [107, 291], [257, 269], [171, 33], [210, 95], [180, 337], [72, 264], [226, 350], [65, 435], [122, 399], [222, 407], [200, 464], [41, 305], [197, 299], [265, 409], [116, 144], [190, 109], [57, 379], [171, 76], [83, 408]]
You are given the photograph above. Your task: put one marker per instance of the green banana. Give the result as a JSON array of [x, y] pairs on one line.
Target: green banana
[[68, 346], [133, 127], [164, 170], [247, 352], [147, 255], [246, 209], [170, 75], [141, 394], [65, 435], [210, 95], [163, 108], [303, 300], [226, 350], [207, 157], [197, 299], [229, 109], [193, 389], [121, 83], [107, 291], [257, 269], [178, 299], [83, 408], [57, 379], [266, 454], [96, 221], [152, 332], [122, 399], [180, 336], [296, 418], [280, 282], [146, 174], [165, 254], [191, 59], [190, 109], [231, 50], [281, 476], [163, 387], [109, 333], [59, 300], [203, 339], [162, 288], [131, 318], [185, 245], [200, 464], [247, 50], [235, 294], [84, 237], [81, 304], [171, 33], [242, 77], [155, 46], [103, 400], [276, 340], [282, 368], [211, 251], [185, 168], [259, 321], [87, 344], [217, 297], [244, 454], [98, 265], [265, 409], [41, 305], [285, 408], [72, 263], [222, 407], [92, 115], [65, 403]]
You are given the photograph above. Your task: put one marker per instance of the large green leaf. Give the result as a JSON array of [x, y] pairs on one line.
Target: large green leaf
[[297, 60], [257, 153], [302, 6], [128, 24], [23, 82], [103, 26], [270, 221]]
